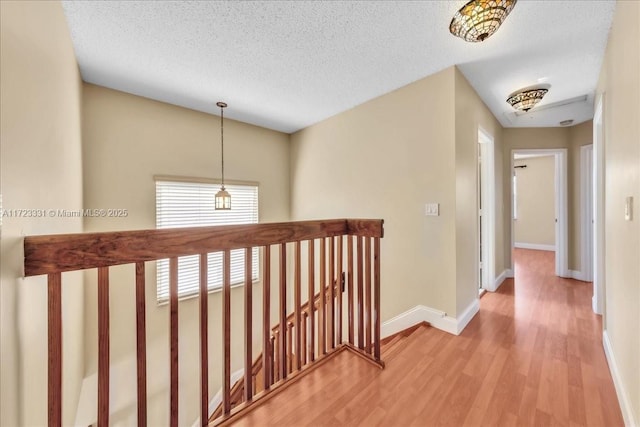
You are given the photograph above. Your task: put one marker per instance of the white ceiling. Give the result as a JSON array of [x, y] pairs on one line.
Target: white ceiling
[[286, 65]]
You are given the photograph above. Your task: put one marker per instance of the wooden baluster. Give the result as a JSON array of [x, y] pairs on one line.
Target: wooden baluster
[[297, 364], [276, 356], [350, 287], [289, 355], [226, 333], [376, 298], [141, 344], [283, 310], [173, 339], [103, 346], [339, 290], [311, 299], [204, 339], [330, 305], [54, 314], [303, 339], [367, 294], [322, 304], [248, 319], [267, 351], [360, 296]]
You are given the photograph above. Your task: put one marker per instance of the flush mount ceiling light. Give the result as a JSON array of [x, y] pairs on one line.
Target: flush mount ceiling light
[[526, 99], [478, 19], [223, 198]]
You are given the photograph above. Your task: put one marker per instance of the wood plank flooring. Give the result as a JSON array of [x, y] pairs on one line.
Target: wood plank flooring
[[532, 356]]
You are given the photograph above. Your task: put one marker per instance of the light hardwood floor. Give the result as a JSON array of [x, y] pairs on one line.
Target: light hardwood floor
[[532, 356]]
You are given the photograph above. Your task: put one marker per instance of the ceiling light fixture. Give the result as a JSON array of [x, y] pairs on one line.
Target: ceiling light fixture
[[478, 19], [526, 99], [223, 198]]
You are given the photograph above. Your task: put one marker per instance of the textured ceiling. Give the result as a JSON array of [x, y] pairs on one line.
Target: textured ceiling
[[285, 65]]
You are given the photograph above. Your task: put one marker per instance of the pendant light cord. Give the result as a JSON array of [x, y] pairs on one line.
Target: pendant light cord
[[222, 138], [223, 198]]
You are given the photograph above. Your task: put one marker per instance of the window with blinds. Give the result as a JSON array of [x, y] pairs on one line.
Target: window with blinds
[[191, 204]]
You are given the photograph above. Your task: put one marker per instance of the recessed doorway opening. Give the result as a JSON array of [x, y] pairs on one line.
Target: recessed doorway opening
[[560, 209]]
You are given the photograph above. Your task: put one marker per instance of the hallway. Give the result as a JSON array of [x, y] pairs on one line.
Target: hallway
[[532, 356]]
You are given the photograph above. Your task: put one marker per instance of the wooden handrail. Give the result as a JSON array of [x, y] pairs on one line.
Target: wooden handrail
[[305, 307], [311, 332], [57, 253]]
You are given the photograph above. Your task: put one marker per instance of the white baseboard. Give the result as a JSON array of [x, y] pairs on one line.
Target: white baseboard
[[501, 278], [577, 275], [438, 319], [623, 397], [535, 246], [411, 317], [594, 305], [466, 316]]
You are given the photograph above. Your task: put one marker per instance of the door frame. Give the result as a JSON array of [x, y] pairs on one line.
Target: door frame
[[598, 301], [586, 212], [486, 151], [561, 205]]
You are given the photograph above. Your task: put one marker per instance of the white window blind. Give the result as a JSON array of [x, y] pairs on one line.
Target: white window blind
[[191, 204]]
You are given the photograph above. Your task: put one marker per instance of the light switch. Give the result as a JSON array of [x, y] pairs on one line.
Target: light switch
[[628, 208], [432, 209]]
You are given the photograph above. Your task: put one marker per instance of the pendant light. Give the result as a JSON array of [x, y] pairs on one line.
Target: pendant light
[[223, 198]]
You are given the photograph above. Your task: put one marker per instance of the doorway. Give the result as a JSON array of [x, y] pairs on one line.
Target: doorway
[[560, 209]]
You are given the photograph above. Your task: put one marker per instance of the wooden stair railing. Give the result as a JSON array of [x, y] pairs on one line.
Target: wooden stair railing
[[287, 351], [237, 391]]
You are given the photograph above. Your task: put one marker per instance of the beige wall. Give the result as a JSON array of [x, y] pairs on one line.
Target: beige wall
[[471, 114], [620, 83], [385, 159], [535, 223], [388, 157], [534, 138], [126, 141], [41, 168]]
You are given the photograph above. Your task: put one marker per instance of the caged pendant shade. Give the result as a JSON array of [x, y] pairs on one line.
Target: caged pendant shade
[[479, 19], [223, 198]]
